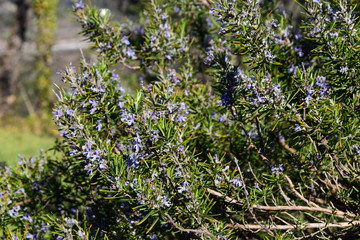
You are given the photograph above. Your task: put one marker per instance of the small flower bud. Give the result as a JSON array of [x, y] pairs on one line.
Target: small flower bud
[[104, 12]]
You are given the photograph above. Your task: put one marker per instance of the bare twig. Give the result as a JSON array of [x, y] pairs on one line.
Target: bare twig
[[292, 187], [198, 231], [287, 227], [303, 208], [226, 198], [246, 193], [206, 3]]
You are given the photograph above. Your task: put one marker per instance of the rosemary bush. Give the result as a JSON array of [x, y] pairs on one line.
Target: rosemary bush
[[244, 127]]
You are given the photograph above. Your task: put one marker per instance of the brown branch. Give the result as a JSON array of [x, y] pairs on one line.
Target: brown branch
[[130, 67], [288, 148], [206, 3], [292, 187], [288, 227], [226, 198], [197, 231], [303, 208]]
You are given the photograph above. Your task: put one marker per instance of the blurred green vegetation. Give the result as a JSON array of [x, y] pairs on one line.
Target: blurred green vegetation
[[25, 136]]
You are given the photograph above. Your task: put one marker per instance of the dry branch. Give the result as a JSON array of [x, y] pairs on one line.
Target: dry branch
[[288, 227]]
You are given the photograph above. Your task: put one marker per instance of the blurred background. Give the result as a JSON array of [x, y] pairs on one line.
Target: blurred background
[[38, 38]]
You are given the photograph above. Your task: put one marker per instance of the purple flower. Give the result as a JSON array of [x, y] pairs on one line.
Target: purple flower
[[237, 181], [213, 114], [297, 35], [98, 125], [171, 107], [324, 86], [356, 148], [278, 168], [64, 132], [87, 149], [170, 89], [292, 69], [155, 135], [223, 118], [125, 40], [225, 99], [299, 51], [286, 32], [129, 52], [14, 211], [27, 217], [269, 56], [334, 34], [172, 76], [259, 98], [343, 69], [121, 103], [30, 236], [209, 57], [166, 202], [183, 188], [57, 113], [69, 111], [81, 234], [129, 118], [180, 118], [79, 5], [252, 133], [73, 151], [315, 30], [93, 103], [167, 29], [164, 16], [309, 93], [180, 148]]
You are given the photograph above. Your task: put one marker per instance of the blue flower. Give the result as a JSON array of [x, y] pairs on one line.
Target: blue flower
[[81, 234], [128, 118], [292, 69], [64, 133], [181, 118], [171, 107], [223, 118], [180, 148], [356, 148], [166, 202], [57, 113], [279, 168], [93, 103], [98, 125], [79, 5], [125, 40], [225, 99], [129, 52], [237, 181], [343, 69], [309, 93]]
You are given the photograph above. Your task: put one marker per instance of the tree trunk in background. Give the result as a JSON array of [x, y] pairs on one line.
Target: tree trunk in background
[[9, 62], [45, 21]]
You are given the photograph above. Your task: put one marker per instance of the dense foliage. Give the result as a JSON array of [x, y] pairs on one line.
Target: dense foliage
[[245, 127]]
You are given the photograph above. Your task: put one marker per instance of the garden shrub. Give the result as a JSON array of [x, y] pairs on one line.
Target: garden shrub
[[244, 127]]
